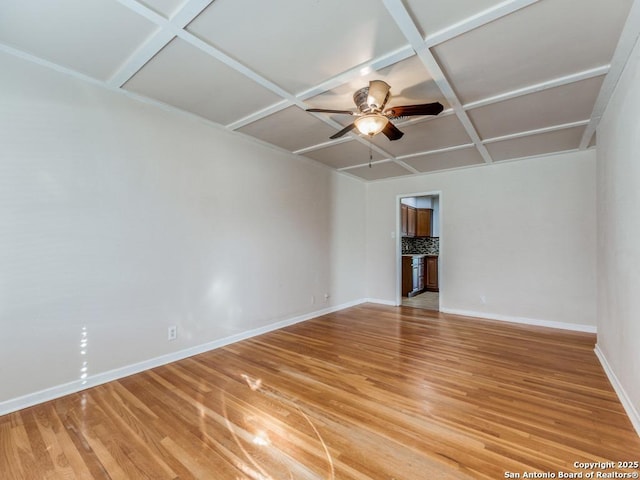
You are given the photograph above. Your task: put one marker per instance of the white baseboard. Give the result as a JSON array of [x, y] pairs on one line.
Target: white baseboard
[[631, 410], [58, 391], [527, 321], [379, 301]]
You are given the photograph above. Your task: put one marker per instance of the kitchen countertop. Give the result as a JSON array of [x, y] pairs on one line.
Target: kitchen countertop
[[419, 255]]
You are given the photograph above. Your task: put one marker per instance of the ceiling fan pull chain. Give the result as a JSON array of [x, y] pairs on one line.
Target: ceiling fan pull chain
[[370, 153]]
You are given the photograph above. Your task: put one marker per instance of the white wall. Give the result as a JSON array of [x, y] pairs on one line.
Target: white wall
[[618, 190], [521, 235], [118, 219]]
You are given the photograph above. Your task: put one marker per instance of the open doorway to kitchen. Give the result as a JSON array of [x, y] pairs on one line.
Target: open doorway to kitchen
[[418, 251]]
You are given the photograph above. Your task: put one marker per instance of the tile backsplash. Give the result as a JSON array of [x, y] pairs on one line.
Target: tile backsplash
[[426, 245]]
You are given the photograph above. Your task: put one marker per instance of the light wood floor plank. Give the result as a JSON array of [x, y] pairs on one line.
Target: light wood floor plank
[[371, 392]]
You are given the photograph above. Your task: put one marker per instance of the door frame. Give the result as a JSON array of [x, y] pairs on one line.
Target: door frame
[[432, 193]]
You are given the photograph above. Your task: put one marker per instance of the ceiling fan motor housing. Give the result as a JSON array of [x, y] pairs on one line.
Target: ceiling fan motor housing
[[365, 102], [360, 99]]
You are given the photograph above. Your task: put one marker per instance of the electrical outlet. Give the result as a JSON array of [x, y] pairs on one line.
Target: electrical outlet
[[172, 333]]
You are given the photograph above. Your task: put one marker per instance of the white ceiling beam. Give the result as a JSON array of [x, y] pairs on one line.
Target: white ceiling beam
[[188, 12], [376, 162], [410, 31], [537, 131], [361, 70], [260, 114], [177, 24], [141, 56], [626, 43], [475, 21], [433, 152], [322, 145], [234, 64], [145, 12], [176, 28], [407, 166], [538, 87], [373, 65], [167, 31], [348, 138]]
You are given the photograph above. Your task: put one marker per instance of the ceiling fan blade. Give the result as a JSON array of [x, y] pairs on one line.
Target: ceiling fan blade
[[392, 132], [324, 110], [408, 110], [346, 129]]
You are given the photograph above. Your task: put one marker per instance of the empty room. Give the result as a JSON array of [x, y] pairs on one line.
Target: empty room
[[319, 239]]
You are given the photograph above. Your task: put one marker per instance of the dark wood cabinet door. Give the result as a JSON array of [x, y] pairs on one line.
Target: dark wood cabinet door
[[423, 222], [407, 276], [411, 222], [403, 220], [432, 274]]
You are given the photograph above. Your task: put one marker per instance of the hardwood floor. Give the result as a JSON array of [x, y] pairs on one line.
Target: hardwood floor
[[372, 392]]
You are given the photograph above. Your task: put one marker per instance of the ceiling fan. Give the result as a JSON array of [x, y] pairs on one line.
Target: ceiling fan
[[372, 118]]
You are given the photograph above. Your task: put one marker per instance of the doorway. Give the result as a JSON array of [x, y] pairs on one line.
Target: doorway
[[418, 250]]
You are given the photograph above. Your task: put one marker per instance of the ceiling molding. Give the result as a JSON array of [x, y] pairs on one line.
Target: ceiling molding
[[360, 165], [345, 77], [167, 30], [407, 166], [260, 114], [432, 152], [146, 28], [140, 57], [536, 131], [363, 69], [475, 21], [626, 43], [538, 87], [410, 31]]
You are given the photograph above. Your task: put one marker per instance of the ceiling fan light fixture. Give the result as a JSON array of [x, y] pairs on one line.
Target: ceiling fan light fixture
[[378, 94], [371, 124]]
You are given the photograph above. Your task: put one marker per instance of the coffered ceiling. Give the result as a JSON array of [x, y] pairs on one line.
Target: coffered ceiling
[[518, 78]]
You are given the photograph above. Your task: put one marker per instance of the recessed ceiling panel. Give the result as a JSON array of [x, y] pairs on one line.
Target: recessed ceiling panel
[[555, 106], [345, 154], [187, 78], [440, 132], [556, 141], [546, 40], [299, 43], [445, 160], [379, 171], [409, 80], [291, 129], [432, 18], [93, 37]]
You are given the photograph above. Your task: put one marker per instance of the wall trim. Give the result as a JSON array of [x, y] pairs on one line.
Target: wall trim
[[524, 320], [628, 406], [379, 301], [57, 391]]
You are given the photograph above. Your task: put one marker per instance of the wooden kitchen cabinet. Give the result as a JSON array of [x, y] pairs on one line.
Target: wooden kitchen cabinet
[[431, 274], [407, 276], [411, 222], [415, 222], [403, 219], [413, 275], [423, 222]]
